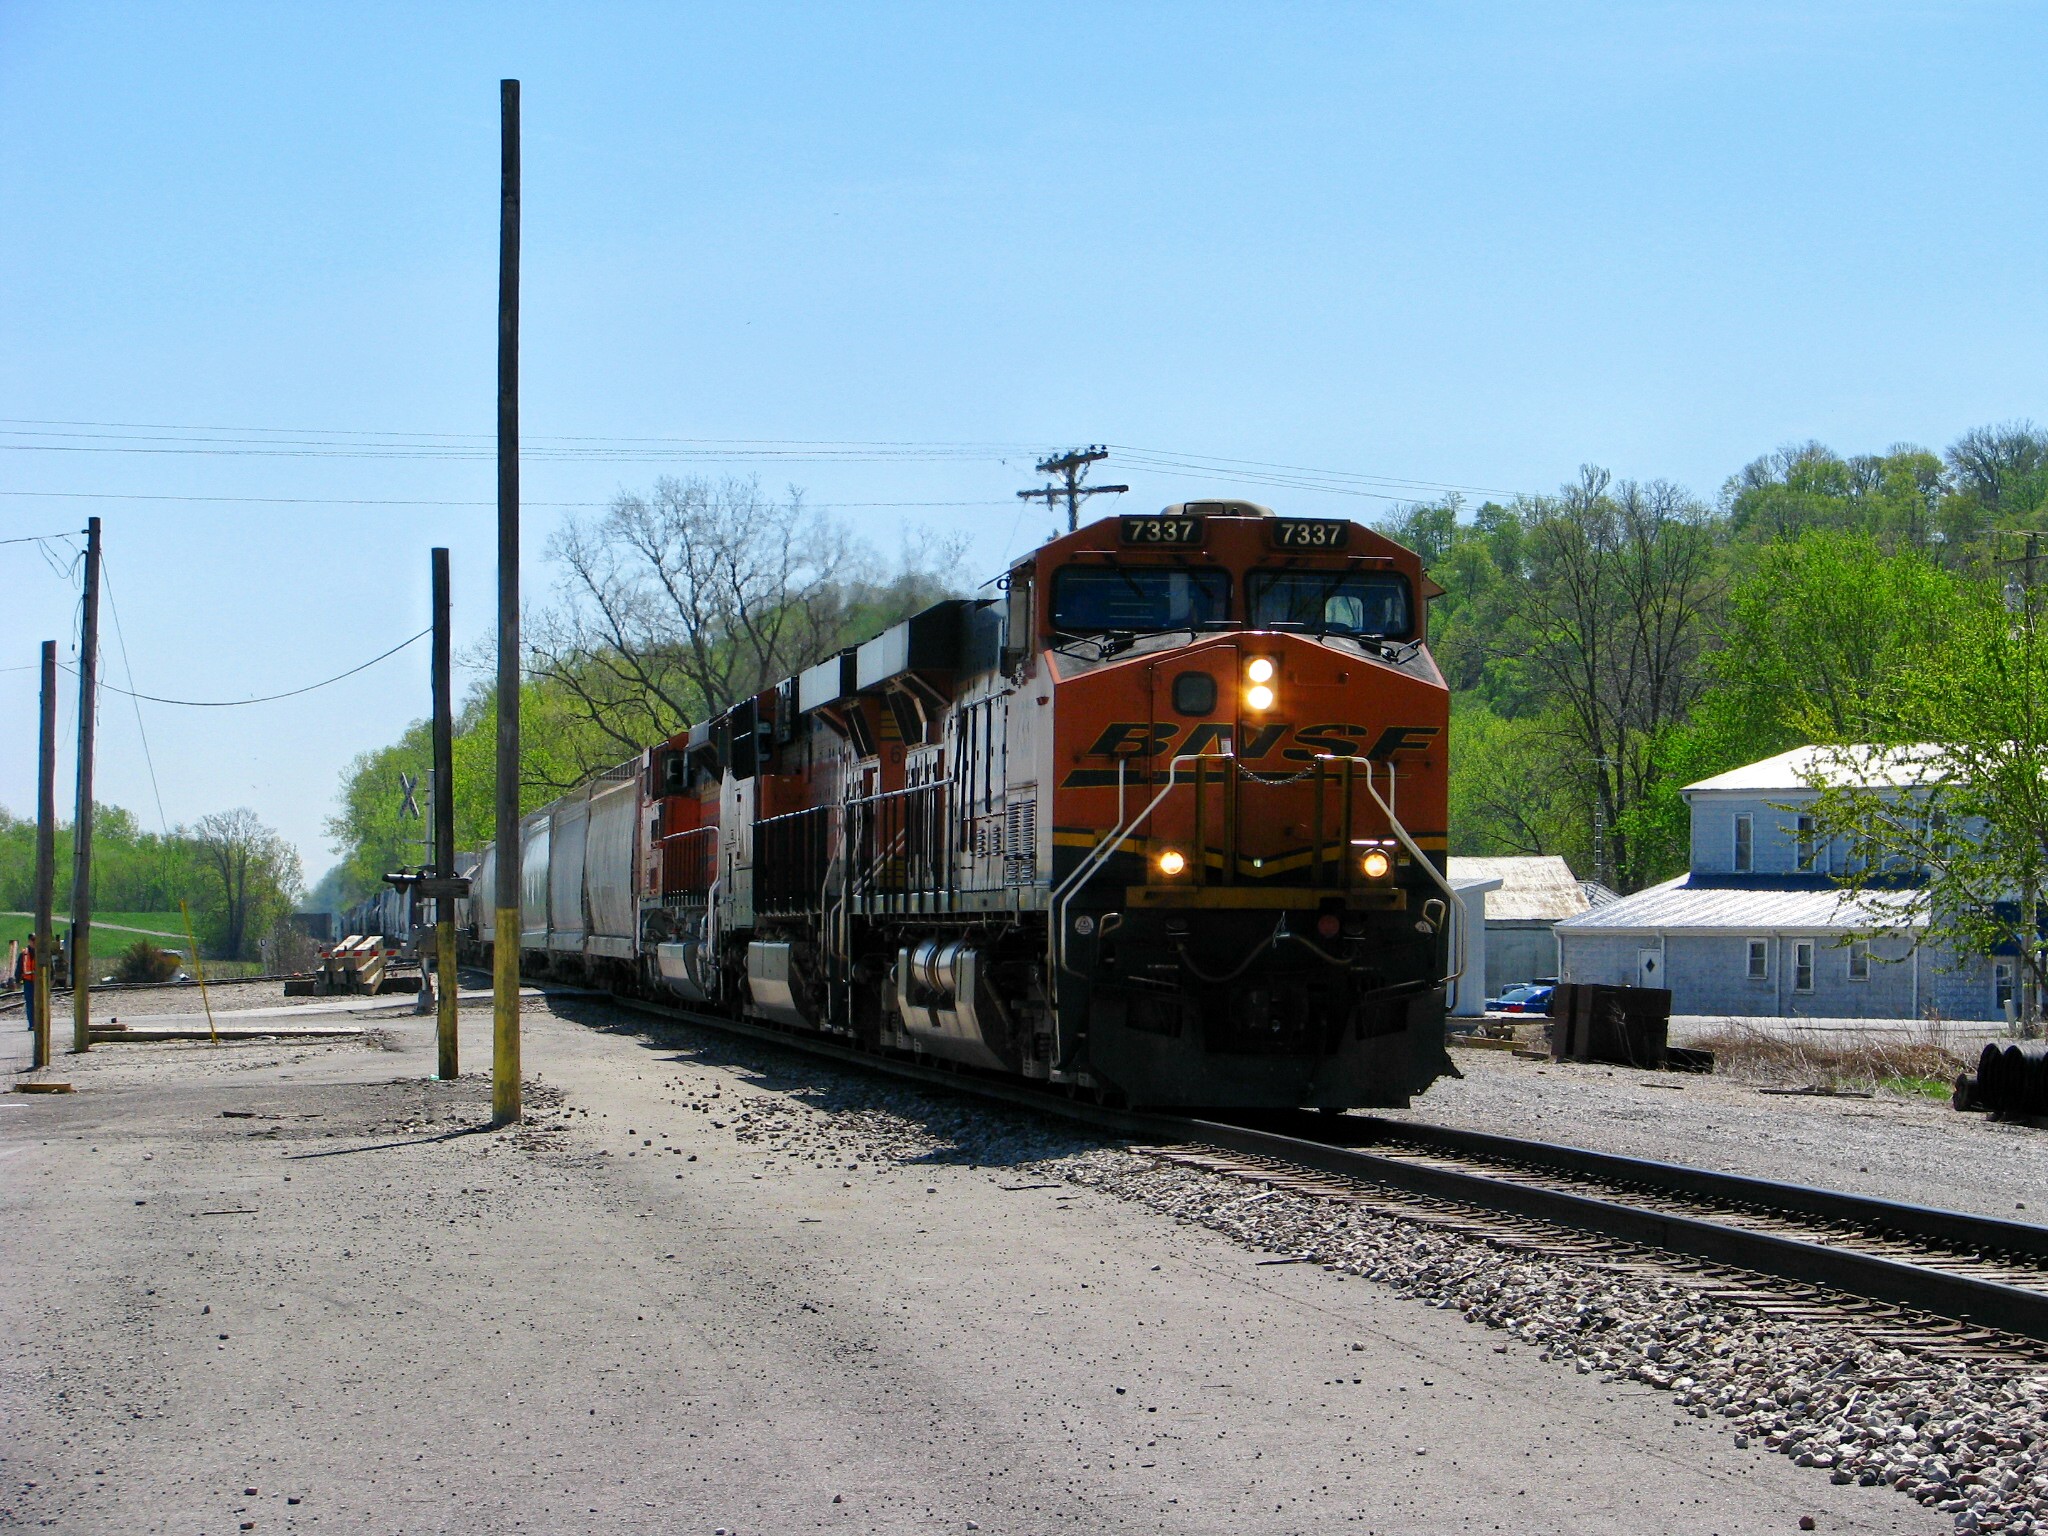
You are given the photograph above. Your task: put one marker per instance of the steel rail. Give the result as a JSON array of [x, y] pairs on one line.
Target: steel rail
[[1821, 1260], [1962, 1231]]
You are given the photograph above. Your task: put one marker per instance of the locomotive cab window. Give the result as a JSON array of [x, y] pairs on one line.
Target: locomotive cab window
[[1090, 599], [1338, 602]]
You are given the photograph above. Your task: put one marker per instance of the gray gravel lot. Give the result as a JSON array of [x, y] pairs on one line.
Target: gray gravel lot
[[1912, 1149], [712, 1287]]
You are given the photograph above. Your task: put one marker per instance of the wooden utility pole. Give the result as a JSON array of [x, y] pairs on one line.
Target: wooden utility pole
[[46, 857], [505, 928], [444, 819], [1072, 468], [81, 823]]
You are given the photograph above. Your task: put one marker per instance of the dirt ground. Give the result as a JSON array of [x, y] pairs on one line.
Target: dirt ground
[[710, 1286]]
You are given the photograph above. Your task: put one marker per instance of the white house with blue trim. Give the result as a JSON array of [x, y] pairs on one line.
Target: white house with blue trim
[[1758, 925]]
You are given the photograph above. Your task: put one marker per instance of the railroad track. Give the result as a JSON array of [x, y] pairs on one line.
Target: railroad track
[[1942, 1283], [1938, 1282]]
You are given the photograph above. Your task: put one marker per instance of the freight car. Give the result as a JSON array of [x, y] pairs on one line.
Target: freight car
[[1162, 824], [385, 912]]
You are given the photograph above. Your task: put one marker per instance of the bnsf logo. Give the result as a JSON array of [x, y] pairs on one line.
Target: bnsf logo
[[1136, 738]]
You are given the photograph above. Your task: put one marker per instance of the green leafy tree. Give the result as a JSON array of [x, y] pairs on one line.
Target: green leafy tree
[[1818, 626], [1513, 788], [1896, 496], [1817, 622], [132, 870], [1617, 609], [1950, 793], [2001, 471], [253, 876]]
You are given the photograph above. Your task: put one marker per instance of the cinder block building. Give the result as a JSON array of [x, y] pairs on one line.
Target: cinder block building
[[1758, 925]]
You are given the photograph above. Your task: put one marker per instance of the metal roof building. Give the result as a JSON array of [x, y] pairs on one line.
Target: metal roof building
[[1756, 926], [1685, 905]]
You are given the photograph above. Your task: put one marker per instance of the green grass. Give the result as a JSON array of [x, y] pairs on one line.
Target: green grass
[[1930, 1087], [111, 930]]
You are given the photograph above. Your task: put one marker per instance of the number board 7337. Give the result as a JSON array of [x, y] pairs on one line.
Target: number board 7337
[[1310, 533], [1160, 532]]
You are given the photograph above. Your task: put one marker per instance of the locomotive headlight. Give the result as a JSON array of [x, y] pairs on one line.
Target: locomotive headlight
[[1259, 673], [1376, 864], [1172, 862]]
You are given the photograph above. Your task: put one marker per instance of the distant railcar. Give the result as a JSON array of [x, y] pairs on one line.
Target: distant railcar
[[1163, 824]]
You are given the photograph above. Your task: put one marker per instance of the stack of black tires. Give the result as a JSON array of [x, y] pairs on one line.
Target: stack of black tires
[[2011, 1081]]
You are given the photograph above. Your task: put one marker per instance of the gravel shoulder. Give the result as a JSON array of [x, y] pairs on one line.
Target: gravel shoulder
[[1912, 1149], [712, 1286]]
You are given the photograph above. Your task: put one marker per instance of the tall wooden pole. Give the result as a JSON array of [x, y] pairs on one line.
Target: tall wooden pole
[[46, 856], [81, 824], [505, 947], [444, 818]]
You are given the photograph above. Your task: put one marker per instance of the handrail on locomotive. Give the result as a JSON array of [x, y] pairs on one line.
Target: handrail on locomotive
[[1127, 827]]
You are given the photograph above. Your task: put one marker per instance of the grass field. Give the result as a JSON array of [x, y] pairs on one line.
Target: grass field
[[112, 931], [115, 931]]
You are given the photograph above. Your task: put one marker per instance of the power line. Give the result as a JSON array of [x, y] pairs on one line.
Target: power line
[[134, 698], [539, 449], [358, 501], [485, 439], [272, 698], [468, 445], [116, 437], [1174, 459]]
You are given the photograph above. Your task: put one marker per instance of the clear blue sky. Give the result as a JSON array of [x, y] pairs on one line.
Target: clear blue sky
[[1473, 245]]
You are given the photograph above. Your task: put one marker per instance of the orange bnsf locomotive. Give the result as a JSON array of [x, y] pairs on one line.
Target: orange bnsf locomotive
[[1163, 823]]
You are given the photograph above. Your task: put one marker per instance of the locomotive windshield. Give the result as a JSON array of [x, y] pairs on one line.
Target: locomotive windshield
[[1337, 602], [1089, 599]]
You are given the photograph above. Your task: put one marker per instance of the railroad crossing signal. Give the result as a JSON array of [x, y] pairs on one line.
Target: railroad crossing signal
[[409, 806]]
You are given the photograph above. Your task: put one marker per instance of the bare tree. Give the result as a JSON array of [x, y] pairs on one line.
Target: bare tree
[[677, 604], [257, 870], [1622, 579], [2001, 466]]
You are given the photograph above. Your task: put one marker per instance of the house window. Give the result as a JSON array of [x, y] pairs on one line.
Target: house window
[[1859, 959], [1759, 958], [1802, 965], [1745, 843], [1806, 851], [2001, 984]]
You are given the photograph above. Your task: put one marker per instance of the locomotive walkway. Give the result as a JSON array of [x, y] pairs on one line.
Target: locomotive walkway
[[305, 1271]]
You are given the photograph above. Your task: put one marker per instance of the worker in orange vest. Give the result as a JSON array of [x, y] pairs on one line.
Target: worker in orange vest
[[25, 973]]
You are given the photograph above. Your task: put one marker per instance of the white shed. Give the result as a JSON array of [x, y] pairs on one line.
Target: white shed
[[1468, 992], [1530, 897]]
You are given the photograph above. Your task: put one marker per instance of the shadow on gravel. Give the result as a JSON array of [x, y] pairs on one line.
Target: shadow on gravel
[[968, 1133]]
